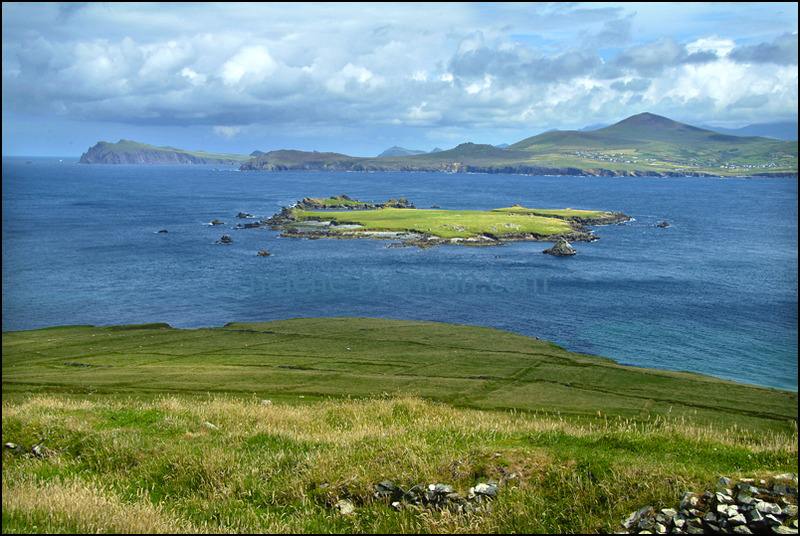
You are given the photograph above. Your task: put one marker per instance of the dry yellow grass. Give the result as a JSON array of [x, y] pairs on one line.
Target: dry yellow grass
[[177, 464]]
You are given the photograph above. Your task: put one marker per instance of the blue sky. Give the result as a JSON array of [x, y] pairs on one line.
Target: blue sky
[[359, 78]]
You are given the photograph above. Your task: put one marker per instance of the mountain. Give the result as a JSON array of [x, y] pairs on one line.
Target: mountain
[[641, 145], [399, 151], [779, 131], [131, 152]]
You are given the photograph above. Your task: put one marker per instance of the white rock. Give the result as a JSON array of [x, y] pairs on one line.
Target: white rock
[[345, 507]]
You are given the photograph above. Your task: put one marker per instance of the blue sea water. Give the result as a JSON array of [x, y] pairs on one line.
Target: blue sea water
[[713, 293]]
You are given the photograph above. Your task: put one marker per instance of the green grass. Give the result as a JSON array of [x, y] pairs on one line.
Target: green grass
[[444, 223], [154, 464], [567, 213], [338, 203], [466, 366], [263, 427]]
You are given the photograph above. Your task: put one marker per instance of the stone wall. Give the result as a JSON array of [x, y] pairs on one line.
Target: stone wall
[[747, 506]]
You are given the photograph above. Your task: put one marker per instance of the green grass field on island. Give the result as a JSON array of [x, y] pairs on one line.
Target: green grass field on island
[[444, 223], [266, 427]]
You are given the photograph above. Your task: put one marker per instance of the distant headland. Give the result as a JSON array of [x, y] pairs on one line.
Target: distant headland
[[132, 152], [641, 145]]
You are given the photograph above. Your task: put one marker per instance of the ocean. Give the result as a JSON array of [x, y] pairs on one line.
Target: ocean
[[714, 293]]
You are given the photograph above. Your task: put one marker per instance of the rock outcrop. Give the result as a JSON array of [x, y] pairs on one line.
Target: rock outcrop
[[561, 249]]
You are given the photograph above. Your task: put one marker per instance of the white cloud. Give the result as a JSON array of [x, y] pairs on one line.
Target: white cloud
[[253, 63], [228, 132]]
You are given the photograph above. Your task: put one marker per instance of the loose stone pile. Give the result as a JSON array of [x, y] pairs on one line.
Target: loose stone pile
[[749, 506], [439, 496]]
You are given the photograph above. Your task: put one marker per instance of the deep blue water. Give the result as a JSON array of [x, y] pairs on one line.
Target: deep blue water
[[714, 293]]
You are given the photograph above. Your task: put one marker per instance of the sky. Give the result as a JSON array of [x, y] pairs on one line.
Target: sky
[[358, 78]]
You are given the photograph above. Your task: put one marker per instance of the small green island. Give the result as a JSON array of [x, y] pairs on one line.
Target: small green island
[[345, 218]]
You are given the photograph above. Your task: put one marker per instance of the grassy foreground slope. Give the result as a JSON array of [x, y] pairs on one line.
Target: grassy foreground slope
[[465, 366], [267, 427]]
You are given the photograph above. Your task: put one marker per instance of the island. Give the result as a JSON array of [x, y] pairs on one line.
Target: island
[[341, 217]]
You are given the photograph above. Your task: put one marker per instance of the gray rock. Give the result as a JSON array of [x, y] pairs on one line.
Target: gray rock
[[561, 249], [754, 516], [768, 508], [744, 498], [772, 520], [747, 488], [724, 497], [666, 516], [486, 489], [443, 489], [780, 529], [737, 520]]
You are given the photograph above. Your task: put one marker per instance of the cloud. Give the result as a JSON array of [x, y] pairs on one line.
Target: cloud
[[653, 57], [446, 68], [782, 51], [252, 62]]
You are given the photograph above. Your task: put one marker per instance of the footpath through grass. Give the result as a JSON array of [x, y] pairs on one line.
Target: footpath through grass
[[266, 427]]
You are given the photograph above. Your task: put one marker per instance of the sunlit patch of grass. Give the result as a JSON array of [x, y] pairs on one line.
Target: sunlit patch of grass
[[443, 223]]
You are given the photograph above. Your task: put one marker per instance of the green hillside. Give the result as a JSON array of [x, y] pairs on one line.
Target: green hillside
[[658, 142], [641, 145], [644, 144], [462, 365]]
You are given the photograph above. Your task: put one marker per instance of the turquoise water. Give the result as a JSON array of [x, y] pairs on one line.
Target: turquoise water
[[714, 293]]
